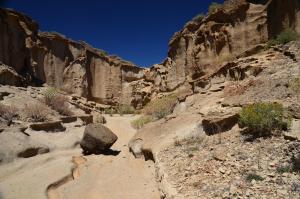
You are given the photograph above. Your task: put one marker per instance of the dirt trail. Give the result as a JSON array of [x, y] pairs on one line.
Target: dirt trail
[[114, 176]]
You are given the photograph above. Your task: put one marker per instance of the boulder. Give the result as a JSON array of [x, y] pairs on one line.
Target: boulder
[[8, 76], [218, 122], [97, 138]]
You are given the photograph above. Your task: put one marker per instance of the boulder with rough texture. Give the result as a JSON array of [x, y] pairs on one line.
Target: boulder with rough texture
[[8, 76], [97, 138]]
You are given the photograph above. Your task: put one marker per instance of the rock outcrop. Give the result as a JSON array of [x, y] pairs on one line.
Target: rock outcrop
[[72, 66], [204, 43], [238, 28]]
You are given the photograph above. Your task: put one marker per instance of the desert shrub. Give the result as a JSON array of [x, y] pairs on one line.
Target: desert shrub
[[125, 109], [36, 112], [295, 85], [263, 118], [287, 36], [199, 17], [283, 38], [140, 122], [57, 102], [283, 169], [8, 113], [214, 6], [110, 111], [49, 93], [253, 176], [60, 104], [161, 107]]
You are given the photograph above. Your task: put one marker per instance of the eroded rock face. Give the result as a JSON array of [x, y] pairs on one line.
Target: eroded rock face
[[202, 45], [72, 66]]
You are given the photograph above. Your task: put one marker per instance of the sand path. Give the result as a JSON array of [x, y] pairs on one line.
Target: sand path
[[113, 176], [66, 174]]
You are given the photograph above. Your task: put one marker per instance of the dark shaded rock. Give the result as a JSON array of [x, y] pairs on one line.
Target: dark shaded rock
[[48, 126], [97, 138], [218, 122], [87, 119], [31, 152], [68, 119]]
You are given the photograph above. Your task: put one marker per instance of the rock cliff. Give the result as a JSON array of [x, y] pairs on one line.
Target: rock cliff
[[74, 67], [224, 34], [237, 28]]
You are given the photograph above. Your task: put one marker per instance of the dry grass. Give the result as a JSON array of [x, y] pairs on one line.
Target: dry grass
[[141, 122], [58, 103], [36, 112], [8, 113], [161, 107]]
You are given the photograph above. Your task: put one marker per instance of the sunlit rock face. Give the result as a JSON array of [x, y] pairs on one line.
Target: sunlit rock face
[[53, 59], [196, 51], [203, 44]]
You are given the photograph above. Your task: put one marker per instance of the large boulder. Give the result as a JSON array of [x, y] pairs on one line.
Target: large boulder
[[97, 138]]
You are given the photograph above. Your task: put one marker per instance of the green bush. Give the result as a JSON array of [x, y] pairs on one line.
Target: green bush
[[283, 169], [261, 119], [199, 17], [125, 109], [283, 38], [140, 122], [253, 176], [214, 6], [161, 107]]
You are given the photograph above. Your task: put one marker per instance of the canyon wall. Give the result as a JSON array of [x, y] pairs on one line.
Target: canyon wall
[[208, 41], [74, 67], [196, 51]]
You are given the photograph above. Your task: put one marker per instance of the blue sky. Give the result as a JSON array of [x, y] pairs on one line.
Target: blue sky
[[136, 30]]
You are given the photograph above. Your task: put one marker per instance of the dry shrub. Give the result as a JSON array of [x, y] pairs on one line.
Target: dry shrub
[[36, 112], [214, 6], [58, 103], [295, 85], [161, 107], [140, 122], [125, 109], [8, 113]]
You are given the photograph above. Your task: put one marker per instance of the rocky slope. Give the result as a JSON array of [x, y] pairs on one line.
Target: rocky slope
[[199, 150], [72, 66]]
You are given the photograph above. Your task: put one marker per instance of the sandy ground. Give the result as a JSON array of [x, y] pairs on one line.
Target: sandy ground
[[114, 177], [67, 174]]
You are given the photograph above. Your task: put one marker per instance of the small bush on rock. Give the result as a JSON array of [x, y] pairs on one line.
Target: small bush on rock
[[214, 6], [125, 109], [140, 122], [36, 112], [161, 107], [253, 176], [199, 17], [283, 38], [261, 119]]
